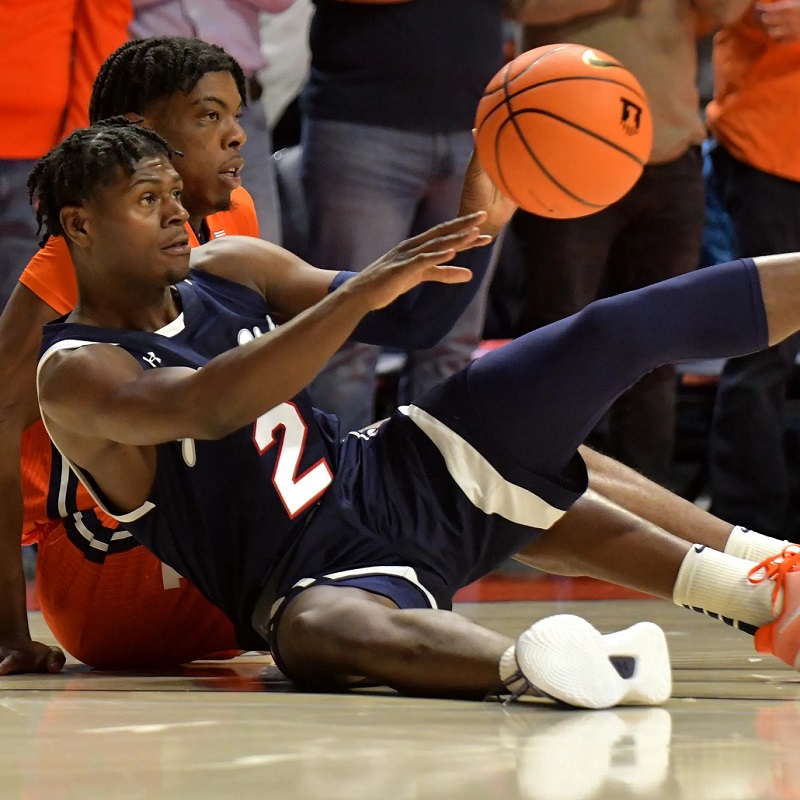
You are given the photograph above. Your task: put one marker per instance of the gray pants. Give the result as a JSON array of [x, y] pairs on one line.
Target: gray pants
[[18, 239]]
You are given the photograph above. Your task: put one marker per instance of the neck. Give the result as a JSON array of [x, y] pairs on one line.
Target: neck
[[139, 309]]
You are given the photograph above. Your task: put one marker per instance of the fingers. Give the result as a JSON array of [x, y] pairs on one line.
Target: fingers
[[446, 273], [55, 660], [455, 242], [781, 20], [461, 226], [51, 660]]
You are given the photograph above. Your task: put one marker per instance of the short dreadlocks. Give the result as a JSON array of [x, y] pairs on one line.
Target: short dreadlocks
[[144, 71], [69, 173]]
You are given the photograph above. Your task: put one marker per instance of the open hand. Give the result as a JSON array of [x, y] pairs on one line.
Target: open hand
[[21, 654], [419, 259], [780, 19]]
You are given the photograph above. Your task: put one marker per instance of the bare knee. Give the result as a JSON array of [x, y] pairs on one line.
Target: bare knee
[[324, 632]]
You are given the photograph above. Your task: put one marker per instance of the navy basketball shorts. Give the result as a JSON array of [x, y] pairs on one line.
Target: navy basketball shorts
[[417, 511]]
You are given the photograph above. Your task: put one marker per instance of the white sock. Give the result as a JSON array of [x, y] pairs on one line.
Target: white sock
[[717, 584], [752, 546]]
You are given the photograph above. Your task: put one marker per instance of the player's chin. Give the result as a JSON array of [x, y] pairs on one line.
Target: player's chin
[[222, 202], [177, 269]]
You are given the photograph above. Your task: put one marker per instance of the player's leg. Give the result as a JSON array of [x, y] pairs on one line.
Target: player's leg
[[646, 499], [665, 215], [329, 637], [539, 396], [599, 539]]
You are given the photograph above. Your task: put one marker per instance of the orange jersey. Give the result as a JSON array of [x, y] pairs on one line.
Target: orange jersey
[[756, 86], [52, 50], [107, 599]]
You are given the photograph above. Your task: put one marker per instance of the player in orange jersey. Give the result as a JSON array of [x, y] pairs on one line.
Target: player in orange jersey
[[108, 601]]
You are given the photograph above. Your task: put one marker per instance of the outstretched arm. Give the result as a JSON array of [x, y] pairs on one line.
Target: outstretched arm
[[20, 338], [119, 404], [415, 320]]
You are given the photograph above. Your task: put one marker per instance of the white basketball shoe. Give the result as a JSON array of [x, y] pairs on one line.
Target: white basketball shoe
[[568, 660]]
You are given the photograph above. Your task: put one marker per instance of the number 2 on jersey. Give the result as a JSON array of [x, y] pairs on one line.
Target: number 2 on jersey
[[297, 492]]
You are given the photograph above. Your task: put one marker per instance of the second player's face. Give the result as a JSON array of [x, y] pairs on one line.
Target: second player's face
[[204, 126], [137, 226]]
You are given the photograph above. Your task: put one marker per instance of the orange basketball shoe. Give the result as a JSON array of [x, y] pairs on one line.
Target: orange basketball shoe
[[781, 637]]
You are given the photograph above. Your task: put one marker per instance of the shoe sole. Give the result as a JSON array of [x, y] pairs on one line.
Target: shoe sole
[[569, 660]]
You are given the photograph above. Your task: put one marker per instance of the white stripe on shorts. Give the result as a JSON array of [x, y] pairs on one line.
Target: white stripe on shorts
[[407, 573], [483, 485]]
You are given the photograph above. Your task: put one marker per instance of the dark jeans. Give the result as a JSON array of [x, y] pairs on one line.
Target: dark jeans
[[653, 233], [747, 461], [18, 237]]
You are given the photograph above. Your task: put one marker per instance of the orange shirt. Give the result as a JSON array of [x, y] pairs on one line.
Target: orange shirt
[[755, 112], [50, 55], [108, 600]]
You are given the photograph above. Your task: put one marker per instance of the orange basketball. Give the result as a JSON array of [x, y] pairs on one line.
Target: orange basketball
[[564, 130]]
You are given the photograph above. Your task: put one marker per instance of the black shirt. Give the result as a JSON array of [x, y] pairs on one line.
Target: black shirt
[[416, 66]]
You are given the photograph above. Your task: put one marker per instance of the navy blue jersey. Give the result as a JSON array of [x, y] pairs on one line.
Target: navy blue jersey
[[265, 476], [406, 501]]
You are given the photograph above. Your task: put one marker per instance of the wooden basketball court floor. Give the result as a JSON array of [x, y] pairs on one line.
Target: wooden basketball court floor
[[234, 729]]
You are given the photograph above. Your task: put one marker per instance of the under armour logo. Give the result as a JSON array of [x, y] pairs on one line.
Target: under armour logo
[[152, 359], [631, 116]]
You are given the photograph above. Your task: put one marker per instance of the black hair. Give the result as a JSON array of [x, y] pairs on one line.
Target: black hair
[[143, 71], [89, 157]]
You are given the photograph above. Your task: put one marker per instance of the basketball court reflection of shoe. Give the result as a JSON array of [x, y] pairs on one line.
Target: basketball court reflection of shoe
[[589, 755], [781, 637], [566, 658]]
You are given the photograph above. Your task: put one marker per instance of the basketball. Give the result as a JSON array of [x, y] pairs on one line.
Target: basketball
[[564, 130]]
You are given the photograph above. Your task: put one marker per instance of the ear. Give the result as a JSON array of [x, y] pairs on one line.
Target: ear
[[74, 221]]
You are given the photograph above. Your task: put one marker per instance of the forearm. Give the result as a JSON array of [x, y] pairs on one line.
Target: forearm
[[237, 387], [553, 12], [13, 615], [420, 318]]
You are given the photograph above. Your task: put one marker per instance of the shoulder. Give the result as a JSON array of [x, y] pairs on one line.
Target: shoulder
[[241, 259]]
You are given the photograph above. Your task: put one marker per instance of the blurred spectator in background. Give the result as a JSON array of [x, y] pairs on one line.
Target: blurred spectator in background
[[755, 119], [50, 51], [387, 120], [284, 44], [655, 231], [235, 26]]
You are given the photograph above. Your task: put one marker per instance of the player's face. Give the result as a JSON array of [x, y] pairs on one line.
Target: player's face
[[137, 225], [204, 126]]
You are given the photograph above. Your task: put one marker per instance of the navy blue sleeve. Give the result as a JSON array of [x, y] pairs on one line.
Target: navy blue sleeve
[[420, 318]]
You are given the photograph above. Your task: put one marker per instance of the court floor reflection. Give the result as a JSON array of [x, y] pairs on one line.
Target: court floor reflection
[[212, 731]]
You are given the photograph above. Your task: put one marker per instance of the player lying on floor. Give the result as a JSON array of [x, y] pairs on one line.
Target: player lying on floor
[[343, 555]]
